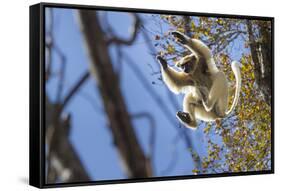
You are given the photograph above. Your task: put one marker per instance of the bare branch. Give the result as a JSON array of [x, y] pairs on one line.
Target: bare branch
[[61, 72], [74, 89], [222, 40], [94, 103], [119, 62], [63, 161], [152, 127], [133, 36], [49, 45], [67, 169], [132, 155]]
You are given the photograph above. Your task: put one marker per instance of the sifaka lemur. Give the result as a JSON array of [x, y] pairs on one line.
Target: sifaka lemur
[[204, 85]]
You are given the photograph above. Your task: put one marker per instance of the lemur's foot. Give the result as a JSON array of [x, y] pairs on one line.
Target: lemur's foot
[[180, 37], [162, 61], [185, 119]]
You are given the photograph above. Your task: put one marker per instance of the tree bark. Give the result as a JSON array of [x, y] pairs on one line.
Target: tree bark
[[262, 58], [133, 157], [63, 161]]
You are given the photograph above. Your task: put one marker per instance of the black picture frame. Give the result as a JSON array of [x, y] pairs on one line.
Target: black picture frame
[[37, 91]]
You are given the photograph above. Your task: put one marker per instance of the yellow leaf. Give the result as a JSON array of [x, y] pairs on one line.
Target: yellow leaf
[[180, 30], [170, 49]]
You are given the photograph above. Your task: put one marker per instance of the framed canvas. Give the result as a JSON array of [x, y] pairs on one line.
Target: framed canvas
[[130, 95]]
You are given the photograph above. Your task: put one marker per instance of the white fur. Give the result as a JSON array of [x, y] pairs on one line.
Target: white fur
[[215, 106]]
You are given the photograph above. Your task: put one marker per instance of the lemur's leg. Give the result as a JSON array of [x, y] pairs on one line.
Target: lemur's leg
[[218, 96], [218, 92], [187, 117]]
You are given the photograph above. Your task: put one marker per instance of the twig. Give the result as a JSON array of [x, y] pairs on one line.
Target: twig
[[61, 72], [131, 39], [49, 44], [119, 61], [152, 127], [74, 89], [92, 102]]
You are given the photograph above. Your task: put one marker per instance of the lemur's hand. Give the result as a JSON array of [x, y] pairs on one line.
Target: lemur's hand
[[180, 37], [162, 61]]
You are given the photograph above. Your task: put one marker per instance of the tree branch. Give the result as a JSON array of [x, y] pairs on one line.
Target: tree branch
[[63, 161], [132, 155], [133, 36], [152, 127], [61, 72], [74, 89]]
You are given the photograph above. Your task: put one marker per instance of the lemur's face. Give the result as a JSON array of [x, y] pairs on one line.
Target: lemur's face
[[187, 64]]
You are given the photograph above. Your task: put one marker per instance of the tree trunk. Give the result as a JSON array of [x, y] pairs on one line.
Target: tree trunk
[[125, 139], [262, 58], [64, 163]]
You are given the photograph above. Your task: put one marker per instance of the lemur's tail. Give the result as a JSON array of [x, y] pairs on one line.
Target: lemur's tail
[[237, 74]]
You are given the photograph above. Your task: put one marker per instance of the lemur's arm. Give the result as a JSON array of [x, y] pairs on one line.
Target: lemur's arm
[[198, 48], [194, 45], [174, 80]]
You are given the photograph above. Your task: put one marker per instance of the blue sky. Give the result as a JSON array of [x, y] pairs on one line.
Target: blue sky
[[90, 134]]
